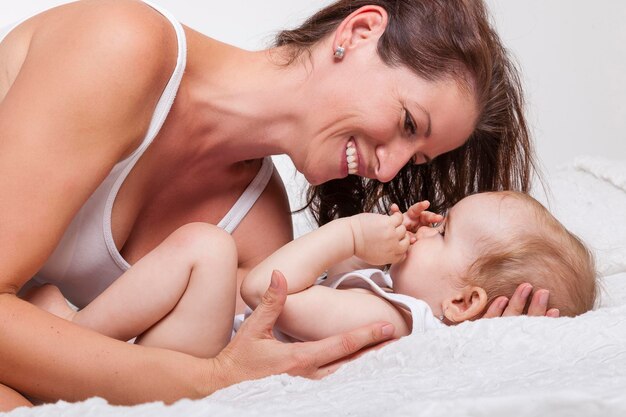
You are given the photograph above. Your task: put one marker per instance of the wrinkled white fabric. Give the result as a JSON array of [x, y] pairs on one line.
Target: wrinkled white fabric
[[514, 367], [589, 197]]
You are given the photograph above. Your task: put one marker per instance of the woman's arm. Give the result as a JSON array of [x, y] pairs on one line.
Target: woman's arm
[[49, 358], [78, 105]]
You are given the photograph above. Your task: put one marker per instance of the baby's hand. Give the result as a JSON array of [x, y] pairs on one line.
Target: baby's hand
[[379, 239], [417, 216]]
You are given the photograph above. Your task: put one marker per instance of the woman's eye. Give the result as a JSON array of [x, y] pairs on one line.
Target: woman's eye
[[409, 123]]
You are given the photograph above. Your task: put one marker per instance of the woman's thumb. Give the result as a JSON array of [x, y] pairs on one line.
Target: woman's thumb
[[265, 315]]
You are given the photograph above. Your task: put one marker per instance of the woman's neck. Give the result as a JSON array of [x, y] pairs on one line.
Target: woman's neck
[[243, 104]]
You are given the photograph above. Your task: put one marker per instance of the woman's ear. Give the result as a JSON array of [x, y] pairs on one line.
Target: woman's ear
[[365, 24], [469, 303]]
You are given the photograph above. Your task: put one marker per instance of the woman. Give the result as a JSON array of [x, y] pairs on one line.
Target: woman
[[119, 126]]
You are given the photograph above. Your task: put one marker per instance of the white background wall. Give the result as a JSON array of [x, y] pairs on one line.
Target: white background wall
[[572, 54]]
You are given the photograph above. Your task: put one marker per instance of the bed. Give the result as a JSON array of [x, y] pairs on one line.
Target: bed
[[520, 366]]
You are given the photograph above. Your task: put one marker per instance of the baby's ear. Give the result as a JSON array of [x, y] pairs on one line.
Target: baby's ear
[[467, 304]]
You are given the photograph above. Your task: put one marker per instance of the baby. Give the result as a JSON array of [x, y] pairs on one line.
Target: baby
[[487, 246]]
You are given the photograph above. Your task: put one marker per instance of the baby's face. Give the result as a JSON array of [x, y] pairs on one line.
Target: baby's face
[[437, 261]]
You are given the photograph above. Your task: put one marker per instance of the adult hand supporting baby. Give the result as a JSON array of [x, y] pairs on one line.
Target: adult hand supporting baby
[[503, 307], [255, 353]]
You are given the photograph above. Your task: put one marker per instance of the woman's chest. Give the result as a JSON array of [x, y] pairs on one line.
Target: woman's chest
[[147, 210]]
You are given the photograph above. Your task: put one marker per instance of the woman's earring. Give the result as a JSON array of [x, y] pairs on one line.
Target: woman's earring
[[339, 51]]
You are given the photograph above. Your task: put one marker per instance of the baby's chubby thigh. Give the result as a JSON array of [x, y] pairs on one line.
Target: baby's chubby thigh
[[210, 254], [201, 321]]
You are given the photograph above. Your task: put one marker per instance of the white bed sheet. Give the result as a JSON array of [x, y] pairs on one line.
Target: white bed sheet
[[520, 366]]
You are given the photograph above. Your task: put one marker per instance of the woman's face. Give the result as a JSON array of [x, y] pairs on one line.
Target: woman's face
[[369, 119]]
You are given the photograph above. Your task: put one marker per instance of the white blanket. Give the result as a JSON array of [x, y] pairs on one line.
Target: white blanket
[[521, 366]]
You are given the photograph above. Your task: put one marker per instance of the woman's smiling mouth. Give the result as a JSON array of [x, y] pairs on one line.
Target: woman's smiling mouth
[[351, 158]]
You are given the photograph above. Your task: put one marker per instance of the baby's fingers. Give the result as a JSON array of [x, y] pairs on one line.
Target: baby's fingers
[[403, 247], [416, 209], [397, 218], [401, 232], [428, 217]]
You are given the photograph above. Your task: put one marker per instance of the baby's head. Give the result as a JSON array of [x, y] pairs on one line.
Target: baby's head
[[487, 246]]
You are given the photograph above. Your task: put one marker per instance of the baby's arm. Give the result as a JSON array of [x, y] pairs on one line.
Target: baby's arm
[[302, 260], [413, 218], [312, 314]]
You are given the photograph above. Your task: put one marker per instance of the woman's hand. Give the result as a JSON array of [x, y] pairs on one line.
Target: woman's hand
[[379, 239], [255, 353], [417, 216], [503, 307]]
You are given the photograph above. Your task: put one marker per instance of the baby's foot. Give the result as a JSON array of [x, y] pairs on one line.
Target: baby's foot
[[49, 298]]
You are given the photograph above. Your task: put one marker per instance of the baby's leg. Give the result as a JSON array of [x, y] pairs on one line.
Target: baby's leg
[[49, 298], [180, 296], [10, 399]]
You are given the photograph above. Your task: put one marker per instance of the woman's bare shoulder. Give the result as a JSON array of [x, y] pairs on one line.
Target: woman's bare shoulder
[[102, 64], [128, 37]]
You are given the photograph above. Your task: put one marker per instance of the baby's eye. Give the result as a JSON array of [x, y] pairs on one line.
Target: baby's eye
[[409, 123], [441, 226]]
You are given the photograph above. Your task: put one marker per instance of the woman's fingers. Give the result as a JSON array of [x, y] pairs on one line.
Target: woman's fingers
[[539, 303], [518, 301], [332, 367], [496, 309], [341, 347]]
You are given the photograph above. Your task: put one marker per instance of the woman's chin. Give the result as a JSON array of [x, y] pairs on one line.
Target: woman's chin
[[317, 178]]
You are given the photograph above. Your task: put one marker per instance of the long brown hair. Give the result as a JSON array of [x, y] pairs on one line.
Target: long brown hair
[[436, 39]]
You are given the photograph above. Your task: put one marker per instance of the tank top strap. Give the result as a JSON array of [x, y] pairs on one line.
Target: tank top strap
[[158, 118], [251, 194]]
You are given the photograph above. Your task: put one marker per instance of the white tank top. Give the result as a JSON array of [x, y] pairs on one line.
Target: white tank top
[[86, 260]]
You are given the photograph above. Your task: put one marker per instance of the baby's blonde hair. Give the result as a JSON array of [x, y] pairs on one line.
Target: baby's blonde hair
[[546, 255]]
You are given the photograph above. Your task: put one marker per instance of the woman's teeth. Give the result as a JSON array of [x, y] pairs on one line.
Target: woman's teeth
[[351, 158]]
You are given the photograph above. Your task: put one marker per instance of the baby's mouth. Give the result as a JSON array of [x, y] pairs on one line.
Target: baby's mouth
[[352, 158]]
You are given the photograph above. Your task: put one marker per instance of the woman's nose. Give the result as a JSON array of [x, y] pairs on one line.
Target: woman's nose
[[391, 159]]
